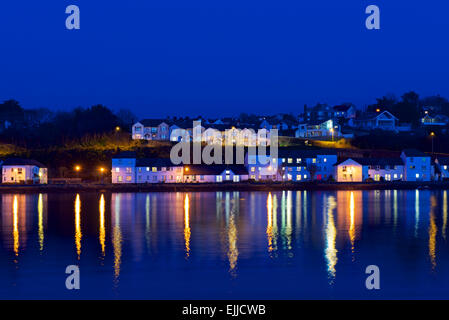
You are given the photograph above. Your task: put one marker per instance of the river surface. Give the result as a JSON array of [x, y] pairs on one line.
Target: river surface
[[225, 245]]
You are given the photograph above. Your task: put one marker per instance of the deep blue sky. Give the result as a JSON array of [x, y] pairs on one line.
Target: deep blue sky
[[220, 57]]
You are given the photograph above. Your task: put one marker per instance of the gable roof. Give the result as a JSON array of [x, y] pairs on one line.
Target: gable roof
[[373, 115], [342, 108], [152, 122], [22, 162]]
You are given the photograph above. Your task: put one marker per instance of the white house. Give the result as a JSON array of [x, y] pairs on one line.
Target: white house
[[151, 129], [362, 169], [16, 170], [370, 121], [417, 165], [320, 129], [155, 170], [124, 168]]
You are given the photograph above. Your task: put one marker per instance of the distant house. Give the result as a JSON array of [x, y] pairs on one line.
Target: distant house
[[151, 129], [320, 112], [442, 166], [417, 165], [370, 121], [362, 169], [438, 120], [320, 129], [15, 170], [214, 173], [344, 112]]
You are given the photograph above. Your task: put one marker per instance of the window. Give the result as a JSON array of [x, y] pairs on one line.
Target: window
[[298, 169], [128, 178], [395, 176], [154, 169], [119, 179], [236, 178], [324, 160], [219, 178], [128, 170], [313, 160], [201, 177], [290, 160], [148, 168], [139, 169], [305, 176], [289, 177], [253, 169], [117, 169], [417, 176], [253, 177], [445, 167], [298, 160], [154, 178], [298, 177]]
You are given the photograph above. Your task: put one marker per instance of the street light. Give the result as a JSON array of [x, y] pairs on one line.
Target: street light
[[77, 169], [332, 132], [117, 128], [102, 171]]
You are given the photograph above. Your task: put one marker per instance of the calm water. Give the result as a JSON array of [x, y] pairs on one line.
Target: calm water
[[225, 245]]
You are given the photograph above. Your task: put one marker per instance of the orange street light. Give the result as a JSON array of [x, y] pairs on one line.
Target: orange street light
[[101, 169], [117, 128], [186, 169], [77, 168], [377, 110]]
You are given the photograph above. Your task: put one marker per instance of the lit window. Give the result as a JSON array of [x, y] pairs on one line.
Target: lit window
[[313, 160], [395, 176], [417, 175], [305, 176], [148, 168], [117, 169], [154, 169], [324, 160], [290, 160], [253, 169], [128, 178], [298, 160], [445, 167], [298, 177]]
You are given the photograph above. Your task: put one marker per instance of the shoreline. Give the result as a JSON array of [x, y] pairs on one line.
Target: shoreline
[[212, 187]]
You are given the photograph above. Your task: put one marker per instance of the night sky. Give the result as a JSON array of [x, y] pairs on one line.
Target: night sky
[[219, 58]]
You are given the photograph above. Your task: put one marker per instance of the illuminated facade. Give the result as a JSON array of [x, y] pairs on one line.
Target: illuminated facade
[[24, 171]]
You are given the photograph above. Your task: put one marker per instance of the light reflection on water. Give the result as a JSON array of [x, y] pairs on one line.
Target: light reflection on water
[[129, 238]]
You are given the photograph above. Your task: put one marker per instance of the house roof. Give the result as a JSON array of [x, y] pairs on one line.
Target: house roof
[[152, 122], [382, 162], [413, 153], [214, 169], [373, 115], [303, 153], [22, 162]]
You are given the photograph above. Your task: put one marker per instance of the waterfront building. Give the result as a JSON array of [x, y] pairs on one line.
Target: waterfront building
[[15, 170], [366, 169], [292, 164], [124, 168], [417, 165], [214, 173], [155, 170]]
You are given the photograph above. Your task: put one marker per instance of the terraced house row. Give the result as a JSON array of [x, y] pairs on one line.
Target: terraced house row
[[294, 165]]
